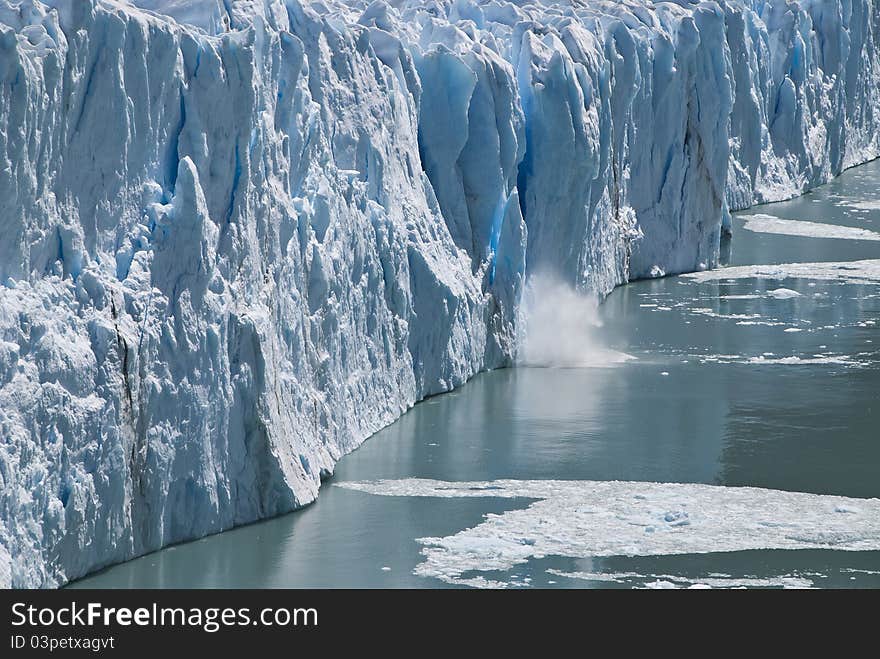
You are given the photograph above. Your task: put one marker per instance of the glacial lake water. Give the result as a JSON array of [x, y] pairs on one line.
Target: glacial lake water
[[734, 382]]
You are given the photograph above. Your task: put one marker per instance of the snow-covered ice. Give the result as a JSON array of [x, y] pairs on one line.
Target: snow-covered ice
[[240, 236], [850, 272], [583, 519], [776, 293], [782, 293], [794, 360], [769, 359], [864, 205], [761, 223], [668, 581]]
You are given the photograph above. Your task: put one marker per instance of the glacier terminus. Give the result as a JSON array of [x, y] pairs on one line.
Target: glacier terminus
[[238, 237]]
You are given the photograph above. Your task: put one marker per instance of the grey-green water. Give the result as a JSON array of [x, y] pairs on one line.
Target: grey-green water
[[696, 405]]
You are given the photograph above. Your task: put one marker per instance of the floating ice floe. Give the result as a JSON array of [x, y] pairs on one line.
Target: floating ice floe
[[761, 223], [792, 360], [668, 581], [582, 519], [849, 272], [761, 323], [703, 311], [864, 205], [840, 360], [783, 293], [777, 293]]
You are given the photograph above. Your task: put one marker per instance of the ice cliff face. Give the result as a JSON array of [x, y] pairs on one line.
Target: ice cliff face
[[237, 237]]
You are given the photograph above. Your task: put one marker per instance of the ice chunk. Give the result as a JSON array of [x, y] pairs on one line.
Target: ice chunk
[[583, 519], [761, 223], [853, 272]]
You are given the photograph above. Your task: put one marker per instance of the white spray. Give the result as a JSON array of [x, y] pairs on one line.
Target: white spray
[[558, 327]]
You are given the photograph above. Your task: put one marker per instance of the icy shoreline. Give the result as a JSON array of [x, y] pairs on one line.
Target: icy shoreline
[[237, 245]]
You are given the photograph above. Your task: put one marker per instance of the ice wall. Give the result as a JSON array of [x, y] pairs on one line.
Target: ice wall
[[806, 95], [237, 237]]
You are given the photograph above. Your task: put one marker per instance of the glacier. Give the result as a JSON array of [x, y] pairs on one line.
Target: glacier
[[241, 236]]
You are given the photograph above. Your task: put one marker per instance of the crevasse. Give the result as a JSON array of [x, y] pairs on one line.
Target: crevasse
[[238, 237]]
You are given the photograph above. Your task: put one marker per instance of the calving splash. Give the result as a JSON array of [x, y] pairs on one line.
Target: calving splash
[[558, 327], [587, 519]]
